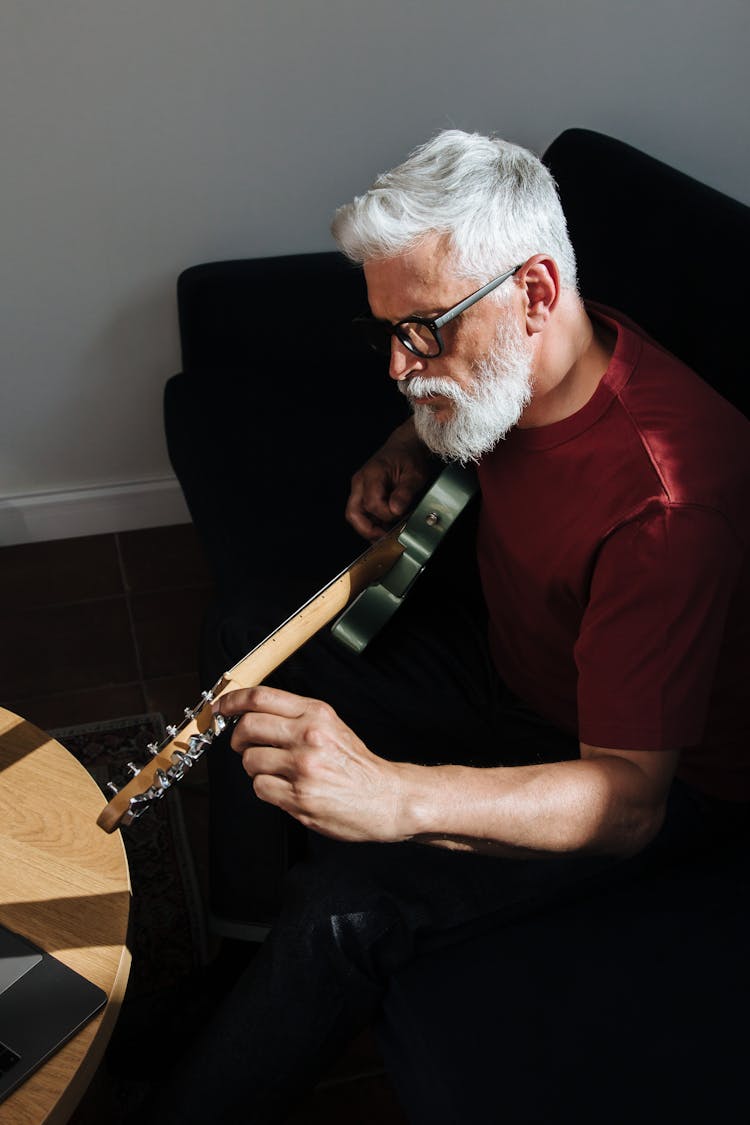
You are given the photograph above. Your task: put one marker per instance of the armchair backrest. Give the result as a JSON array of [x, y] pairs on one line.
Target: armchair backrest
[[277, 404], [297, 307], [661, 247]]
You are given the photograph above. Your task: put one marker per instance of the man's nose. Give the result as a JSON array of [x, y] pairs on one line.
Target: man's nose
[[403, 362]]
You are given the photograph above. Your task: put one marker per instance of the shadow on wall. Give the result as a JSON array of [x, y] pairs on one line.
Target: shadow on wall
[[127, 363]]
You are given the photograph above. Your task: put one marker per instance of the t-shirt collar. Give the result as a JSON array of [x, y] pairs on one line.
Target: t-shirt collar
[[627, 352]]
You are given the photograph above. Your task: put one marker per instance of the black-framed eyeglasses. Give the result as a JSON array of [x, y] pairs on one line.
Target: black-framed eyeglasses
[[420, 334]]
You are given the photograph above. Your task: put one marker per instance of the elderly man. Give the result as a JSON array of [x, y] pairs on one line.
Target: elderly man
[[586, 714]]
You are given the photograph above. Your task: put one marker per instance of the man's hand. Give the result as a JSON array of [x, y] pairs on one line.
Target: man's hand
[[302, 758], [387, 485]]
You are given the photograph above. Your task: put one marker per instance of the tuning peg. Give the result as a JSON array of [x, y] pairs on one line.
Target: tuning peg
[[163, 779], [137, 807], [220, 723], [112, 788], [153, 749], [198, 743], [171, 731], [134, 769]]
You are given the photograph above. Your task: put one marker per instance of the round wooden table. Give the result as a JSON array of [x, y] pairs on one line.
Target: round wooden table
[[64, 884]]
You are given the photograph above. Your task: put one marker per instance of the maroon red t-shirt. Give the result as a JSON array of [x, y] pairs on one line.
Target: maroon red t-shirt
[[613, 553]]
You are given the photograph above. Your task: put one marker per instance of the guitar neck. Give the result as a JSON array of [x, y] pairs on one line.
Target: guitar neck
[[317, 612], [186, 742]]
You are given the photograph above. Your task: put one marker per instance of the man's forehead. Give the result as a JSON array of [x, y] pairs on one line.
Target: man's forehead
[[421, 277]]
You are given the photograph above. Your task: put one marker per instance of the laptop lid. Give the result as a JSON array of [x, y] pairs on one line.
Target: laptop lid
[[42, 1004]]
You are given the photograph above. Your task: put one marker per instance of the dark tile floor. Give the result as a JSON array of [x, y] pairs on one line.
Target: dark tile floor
[[106, 626], [102, 626]]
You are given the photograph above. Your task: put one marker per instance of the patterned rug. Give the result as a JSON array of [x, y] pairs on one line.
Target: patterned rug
[[167, 923], [174, 986], [171, 983]]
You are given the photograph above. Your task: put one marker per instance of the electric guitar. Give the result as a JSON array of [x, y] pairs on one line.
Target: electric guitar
[[372, 588]]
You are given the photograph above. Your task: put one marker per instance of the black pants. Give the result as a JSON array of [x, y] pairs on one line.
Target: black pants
[[352, 915]]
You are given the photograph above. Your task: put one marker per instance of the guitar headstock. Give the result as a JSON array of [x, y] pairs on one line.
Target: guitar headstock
[[170, 760]]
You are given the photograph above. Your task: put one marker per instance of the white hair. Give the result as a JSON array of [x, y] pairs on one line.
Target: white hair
[[496, 203]]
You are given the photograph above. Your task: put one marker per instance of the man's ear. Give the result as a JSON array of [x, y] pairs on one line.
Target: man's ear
[[540, 280]]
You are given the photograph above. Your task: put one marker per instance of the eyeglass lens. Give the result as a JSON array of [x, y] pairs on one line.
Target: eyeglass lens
[[417, 337]]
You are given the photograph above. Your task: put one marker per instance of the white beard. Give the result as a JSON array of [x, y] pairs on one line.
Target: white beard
[[482, 415]]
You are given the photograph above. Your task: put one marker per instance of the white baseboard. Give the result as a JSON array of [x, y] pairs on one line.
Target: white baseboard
[[39, 516]]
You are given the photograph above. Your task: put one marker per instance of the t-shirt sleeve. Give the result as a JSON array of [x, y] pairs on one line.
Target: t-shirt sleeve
[[650, 638]]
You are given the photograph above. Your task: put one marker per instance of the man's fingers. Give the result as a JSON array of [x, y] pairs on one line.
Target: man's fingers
[[369, 508], [255, 729], [377, 488], [387, 485], [276, 791], [357, 515], [271, 701], [404, 494], [362, 523], [257, 760]]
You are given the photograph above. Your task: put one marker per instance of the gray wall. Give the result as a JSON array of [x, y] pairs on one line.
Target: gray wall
[[140, 137]]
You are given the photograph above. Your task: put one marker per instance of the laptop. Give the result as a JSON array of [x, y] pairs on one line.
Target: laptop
[[42, 1004]]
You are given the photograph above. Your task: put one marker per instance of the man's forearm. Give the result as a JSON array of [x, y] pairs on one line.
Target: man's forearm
[[305, 760], [601, 805]]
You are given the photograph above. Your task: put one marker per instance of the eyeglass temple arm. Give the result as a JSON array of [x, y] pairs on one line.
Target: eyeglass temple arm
[[474, 297]]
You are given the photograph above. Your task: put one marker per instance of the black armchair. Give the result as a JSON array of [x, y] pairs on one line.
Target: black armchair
[[275, 407]]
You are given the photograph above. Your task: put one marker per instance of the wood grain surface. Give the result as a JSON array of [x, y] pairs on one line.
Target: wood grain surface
[[64, 884]]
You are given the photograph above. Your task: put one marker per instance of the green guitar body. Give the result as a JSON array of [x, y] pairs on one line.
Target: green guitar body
[[436, 512]]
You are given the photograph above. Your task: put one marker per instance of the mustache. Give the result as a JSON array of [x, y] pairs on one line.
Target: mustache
[[422, 386]]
